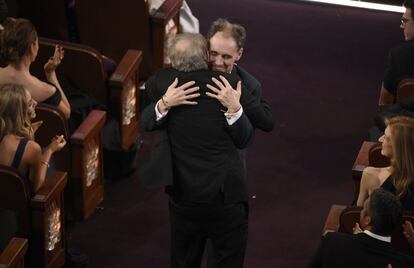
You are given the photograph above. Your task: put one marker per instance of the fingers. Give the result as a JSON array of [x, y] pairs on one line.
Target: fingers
[[190, 102], [212, 88], [225, 82], [212, 95], [191, 90], [174, 83], [238, 88], [186, 85], [218, 83]]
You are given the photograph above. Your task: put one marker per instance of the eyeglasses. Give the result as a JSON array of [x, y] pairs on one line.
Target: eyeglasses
[[404, 20]]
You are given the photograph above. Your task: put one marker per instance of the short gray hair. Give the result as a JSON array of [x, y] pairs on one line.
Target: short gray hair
[[188, 52]]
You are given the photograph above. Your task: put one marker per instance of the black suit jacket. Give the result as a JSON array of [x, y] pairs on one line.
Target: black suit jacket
[[256, 109], [204, 148], [361, 250], [400, 65]]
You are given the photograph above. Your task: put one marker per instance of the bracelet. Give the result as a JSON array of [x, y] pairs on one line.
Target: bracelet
[[45, 163], [165, 102]]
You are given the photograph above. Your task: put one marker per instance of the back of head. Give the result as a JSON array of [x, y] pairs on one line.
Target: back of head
[[402, 141], [234, 30], [409, 4], [13, 111], [15, 40], [188, 52], [385, 211]]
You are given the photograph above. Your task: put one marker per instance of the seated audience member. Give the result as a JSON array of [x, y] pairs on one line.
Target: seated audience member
[[398, 145], [400, 64], [18, 49], [370, 248], [404, 108], [3, 12], [18, 148]]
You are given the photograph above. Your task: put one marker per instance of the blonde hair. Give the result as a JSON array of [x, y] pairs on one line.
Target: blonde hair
[[402, 161], [13, 112]]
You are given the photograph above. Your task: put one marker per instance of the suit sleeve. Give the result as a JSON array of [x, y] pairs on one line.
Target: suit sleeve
[[389, 76], [148, 120], [256, 108], [241, 132], [316, 260]]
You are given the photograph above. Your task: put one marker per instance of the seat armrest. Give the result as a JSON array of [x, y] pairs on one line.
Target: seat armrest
[[167, 11], [89, 127], [124, 96], [13, 254], [87, 169], [362, 160], [332, 221], [53, 186]]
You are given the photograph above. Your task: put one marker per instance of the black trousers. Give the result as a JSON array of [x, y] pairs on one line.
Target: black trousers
[[192, 224]]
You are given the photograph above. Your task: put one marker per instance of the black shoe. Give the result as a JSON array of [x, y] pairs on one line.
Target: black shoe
[[75, 259]]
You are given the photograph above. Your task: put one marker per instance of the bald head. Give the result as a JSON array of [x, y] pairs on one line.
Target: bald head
[[188, 52]]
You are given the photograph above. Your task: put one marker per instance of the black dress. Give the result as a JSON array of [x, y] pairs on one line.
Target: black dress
[[407, 200]]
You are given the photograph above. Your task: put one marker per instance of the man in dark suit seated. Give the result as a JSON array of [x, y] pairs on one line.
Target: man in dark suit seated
[[208, 198], [400, 64], [371, 248]]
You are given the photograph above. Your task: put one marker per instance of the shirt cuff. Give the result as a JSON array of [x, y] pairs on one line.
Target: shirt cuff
[[158, 114], [233, 117]]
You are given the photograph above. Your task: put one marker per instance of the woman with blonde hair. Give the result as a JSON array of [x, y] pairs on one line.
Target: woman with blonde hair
[[18, 148], [18, 49], [398, 178]]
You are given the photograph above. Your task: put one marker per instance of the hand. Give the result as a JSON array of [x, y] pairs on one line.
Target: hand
[[409, 232], [175, 96], [357, 229], [225, 94], [36, 125], [55, 60], [57, 143]]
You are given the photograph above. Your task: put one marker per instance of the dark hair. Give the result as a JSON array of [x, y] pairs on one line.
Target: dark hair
[[236, 31], [385, 211], [15, 40], [409, 4]]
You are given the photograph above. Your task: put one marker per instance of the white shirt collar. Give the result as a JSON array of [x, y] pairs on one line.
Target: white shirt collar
[[379, 237]]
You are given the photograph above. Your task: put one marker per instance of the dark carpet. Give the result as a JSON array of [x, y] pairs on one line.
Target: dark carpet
[[321, 68]]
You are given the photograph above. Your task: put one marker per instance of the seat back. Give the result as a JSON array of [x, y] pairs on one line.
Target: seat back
[[115, 27], [15, 197], [375, 158], [82, 68], [48, 16], [351, 215], [405, 89], [54, 123]]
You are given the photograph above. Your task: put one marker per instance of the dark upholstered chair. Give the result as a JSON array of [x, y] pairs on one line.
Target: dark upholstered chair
[[48, 16], [113, 85], [343, 219], [81, 158], [369, 155], [116, 26], [14, 254], [39, 218], [405, 90]]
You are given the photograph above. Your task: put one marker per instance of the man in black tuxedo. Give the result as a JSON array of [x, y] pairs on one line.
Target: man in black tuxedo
[[371, 248], [400, 60], [208, 192]]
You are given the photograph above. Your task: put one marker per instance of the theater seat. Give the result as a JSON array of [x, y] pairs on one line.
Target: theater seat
[[117, 26], [368, 155], [81, 158], [14, 254], [38, 218], [112, 84]]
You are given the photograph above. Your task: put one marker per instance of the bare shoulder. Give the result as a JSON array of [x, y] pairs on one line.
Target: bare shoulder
[[33, 151], [371, 171]]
